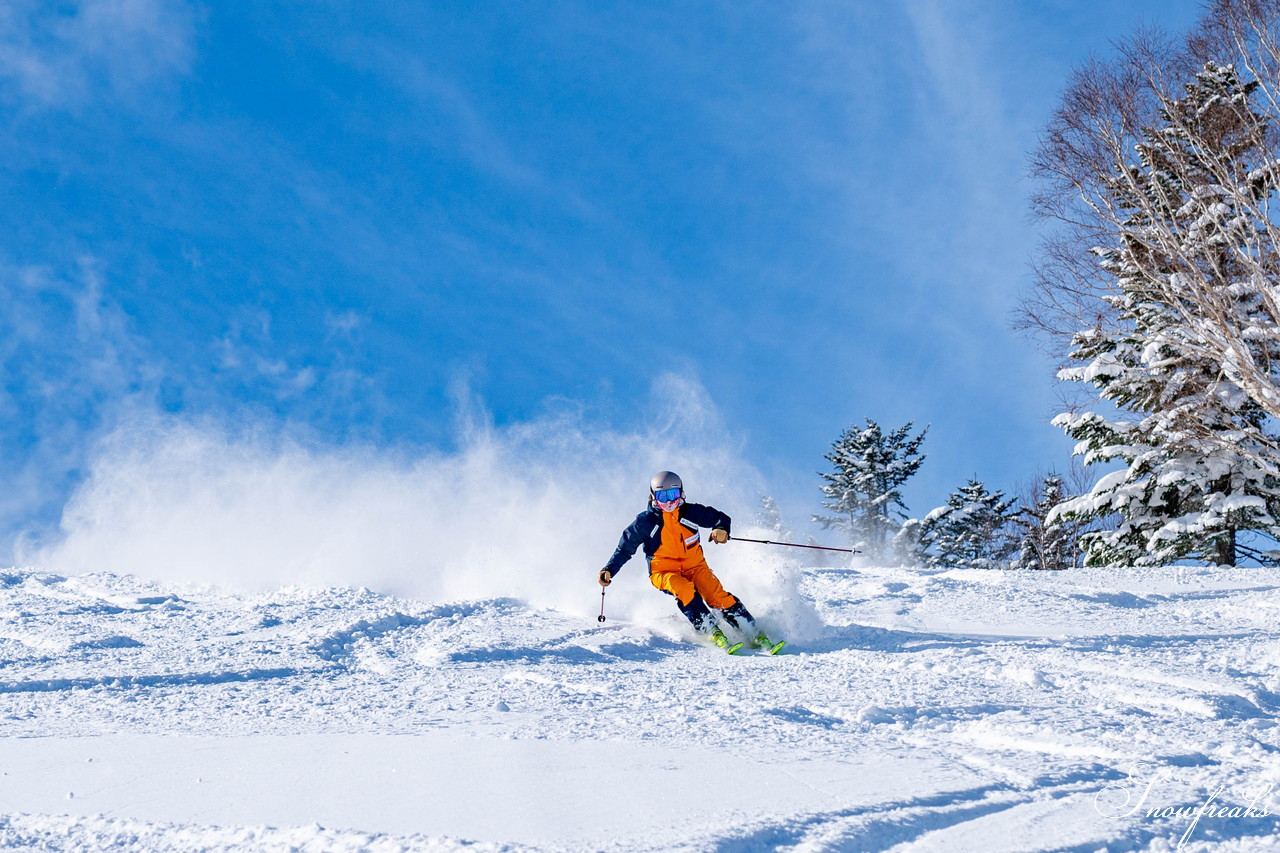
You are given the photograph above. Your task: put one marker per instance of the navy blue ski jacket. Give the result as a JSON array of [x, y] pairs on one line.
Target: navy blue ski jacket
[[647, 530]]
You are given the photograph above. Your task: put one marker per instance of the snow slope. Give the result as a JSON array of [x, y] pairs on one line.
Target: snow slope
[[956, 711]]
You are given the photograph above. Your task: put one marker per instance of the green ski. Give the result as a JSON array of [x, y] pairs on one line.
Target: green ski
[[718, 637], [763, 642]]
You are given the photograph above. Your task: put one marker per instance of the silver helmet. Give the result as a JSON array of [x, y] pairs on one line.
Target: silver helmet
[[665, 480]]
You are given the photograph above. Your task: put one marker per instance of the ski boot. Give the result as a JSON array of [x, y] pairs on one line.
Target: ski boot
[[718, 637], [762, 641]]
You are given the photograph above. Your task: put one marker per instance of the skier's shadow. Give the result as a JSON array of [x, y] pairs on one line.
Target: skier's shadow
[[571, 651], [873, 639]]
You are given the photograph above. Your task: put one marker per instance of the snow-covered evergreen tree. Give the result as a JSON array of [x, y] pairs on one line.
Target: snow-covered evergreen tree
[[971, 531], [1199, 462], [1047, 541], [864, 490], [906, 546], [768, 517]]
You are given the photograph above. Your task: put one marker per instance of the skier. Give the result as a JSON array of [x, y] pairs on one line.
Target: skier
[[668, 529]]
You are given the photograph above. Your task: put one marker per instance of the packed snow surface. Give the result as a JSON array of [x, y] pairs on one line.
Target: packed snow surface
[[950, 711]]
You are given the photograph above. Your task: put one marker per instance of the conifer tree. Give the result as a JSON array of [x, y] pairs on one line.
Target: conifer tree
[[770, 518], [864, 490], [906, 545], [970, 531]]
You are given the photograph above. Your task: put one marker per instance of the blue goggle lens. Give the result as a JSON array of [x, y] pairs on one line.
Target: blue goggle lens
[[666, 496]]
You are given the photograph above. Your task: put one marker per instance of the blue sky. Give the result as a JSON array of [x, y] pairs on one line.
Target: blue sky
[[332, 216]]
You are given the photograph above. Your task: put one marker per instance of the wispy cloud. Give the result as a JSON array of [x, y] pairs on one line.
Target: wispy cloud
[[69, 366], [250, 356], [464, 128], [973, 118], [59, 55], [73, 369], [955, 51]]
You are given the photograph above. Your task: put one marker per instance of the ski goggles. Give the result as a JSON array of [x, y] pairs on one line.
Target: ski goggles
[[666, 496]]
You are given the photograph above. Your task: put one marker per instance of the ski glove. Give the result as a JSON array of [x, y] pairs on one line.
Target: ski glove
[[719, 536], [606, 577]]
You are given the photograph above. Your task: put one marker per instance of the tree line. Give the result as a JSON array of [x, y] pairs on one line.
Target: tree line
[[975, 528], [1157, 286], [1158, 290]]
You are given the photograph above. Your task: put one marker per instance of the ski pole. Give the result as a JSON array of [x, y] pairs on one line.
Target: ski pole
[[601, 619], [794, 545]]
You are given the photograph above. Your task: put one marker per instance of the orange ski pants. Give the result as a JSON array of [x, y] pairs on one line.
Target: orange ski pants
[[686, 580]]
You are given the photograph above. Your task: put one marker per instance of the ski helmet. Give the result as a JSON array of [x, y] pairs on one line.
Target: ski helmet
[[666, 491], [665, 480]]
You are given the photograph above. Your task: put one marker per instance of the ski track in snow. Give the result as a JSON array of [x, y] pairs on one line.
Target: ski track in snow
[[948, 711]]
